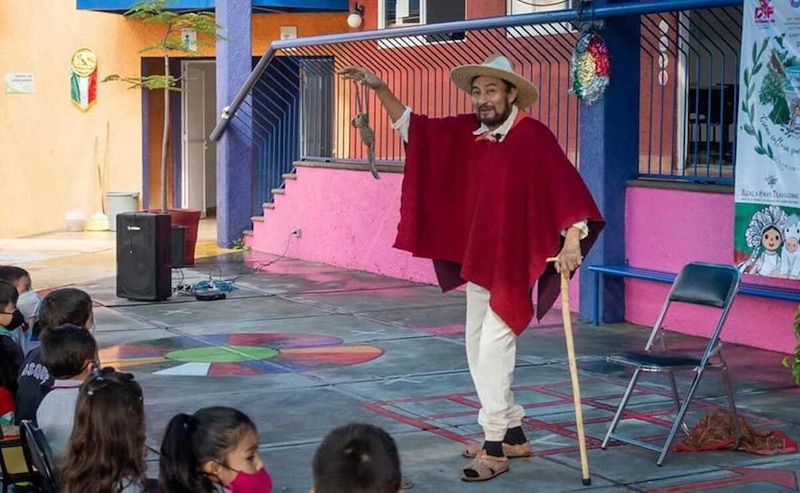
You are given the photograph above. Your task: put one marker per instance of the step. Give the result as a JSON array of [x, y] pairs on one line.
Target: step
[[268, 205], [247, 232], [289, 176], [278, 191], [257, 219]]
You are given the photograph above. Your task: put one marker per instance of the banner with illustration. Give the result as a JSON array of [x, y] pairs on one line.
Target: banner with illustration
[[767, 211]]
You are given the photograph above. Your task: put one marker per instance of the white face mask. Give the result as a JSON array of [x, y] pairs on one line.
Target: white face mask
[[29, 303]]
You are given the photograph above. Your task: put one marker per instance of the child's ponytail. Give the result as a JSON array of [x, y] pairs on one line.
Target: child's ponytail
[[179, 468], [191, 441]]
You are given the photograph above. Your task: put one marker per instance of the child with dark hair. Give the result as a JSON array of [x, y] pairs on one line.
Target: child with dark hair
[[10, 353], [213, 450], [60, 307], [357, 458], [68, 353], [106, 449], [27, 304], [17, 276]]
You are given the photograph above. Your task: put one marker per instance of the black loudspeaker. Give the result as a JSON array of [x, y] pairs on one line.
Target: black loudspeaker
[[144, 243], [178, 246]]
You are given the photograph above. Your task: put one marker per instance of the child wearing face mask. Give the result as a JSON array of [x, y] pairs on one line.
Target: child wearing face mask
[[215, 450], [27, 304], [106, 452], [69, 354], [10, 352], [59, 307]]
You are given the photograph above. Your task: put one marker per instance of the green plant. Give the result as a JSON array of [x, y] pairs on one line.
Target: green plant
[[171, 41], [795, 362]]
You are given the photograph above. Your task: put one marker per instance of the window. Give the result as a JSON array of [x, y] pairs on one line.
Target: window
[[530, 6], [406, 13], [402, 13]]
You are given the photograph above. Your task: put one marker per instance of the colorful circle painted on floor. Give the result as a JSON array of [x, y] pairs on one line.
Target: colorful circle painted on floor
[[237, 354]]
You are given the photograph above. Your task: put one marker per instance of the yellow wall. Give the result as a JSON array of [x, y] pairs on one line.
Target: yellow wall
[[48, 161]]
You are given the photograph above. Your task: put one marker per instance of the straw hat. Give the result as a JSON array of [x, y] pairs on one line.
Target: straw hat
[[502, 68]]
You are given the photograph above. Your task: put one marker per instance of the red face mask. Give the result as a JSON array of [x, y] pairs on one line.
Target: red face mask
[[260, 482]]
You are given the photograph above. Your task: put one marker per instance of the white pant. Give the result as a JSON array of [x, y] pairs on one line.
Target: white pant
[[491, 354]]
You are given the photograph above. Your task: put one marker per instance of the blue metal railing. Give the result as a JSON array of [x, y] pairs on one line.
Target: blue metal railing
[[302, 111]]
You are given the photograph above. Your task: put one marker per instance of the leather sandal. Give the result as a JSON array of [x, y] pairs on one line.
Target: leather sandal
[[484, 467], [511, 451]]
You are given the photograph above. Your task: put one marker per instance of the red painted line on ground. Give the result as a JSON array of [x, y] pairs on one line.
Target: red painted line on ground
[[437, 423], [745, 475]]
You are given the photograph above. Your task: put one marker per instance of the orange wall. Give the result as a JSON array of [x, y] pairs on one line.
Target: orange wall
[[267, 27], [50, 150]]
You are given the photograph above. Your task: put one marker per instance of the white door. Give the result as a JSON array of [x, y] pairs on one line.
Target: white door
[[194, 133]]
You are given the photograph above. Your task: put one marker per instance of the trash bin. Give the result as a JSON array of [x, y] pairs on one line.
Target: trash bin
[[119, 202]]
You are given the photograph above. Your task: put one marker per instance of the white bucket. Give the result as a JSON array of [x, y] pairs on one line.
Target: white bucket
[[76, 220]]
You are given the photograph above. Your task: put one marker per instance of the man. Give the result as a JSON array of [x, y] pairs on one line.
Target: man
[[489, 197]]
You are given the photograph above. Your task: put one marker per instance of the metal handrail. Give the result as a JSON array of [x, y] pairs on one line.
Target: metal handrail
[[559, 16]]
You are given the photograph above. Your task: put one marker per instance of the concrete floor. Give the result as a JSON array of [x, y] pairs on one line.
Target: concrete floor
[[303, 348]]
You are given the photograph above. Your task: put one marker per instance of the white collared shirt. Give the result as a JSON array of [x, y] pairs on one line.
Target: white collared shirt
[[401, 126]]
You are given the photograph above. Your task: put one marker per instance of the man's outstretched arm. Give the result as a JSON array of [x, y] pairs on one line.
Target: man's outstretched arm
[[394, 107]]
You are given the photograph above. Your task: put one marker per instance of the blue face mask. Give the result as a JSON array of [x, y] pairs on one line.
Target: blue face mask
[[29, 303]]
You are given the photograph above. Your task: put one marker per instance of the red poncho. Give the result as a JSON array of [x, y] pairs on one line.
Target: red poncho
[[492, 212]]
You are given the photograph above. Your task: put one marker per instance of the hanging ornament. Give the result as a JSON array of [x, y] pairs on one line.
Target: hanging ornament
[[590, 67]]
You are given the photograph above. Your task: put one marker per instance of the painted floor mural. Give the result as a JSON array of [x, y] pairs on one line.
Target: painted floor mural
[[237, 354]]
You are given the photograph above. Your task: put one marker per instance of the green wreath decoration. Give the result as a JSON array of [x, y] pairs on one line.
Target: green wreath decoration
[[749, 107]]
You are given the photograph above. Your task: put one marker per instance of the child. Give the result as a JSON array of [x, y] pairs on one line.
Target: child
[[357, 458], [68, 353], [59, 307], [17, 276], [106, 448], [213, 450], [10, 351], [28, 304]]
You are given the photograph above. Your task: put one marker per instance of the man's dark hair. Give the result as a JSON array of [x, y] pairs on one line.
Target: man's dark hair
[[357, 458], [66, 350]]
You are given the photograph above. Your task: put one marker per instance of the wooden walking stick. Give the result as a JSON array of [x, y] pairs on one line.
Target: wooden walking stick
[[573, 373]]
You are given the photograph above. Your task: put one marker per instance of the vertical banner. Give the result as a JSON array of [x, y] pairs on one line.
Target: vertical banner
[[767, 210], [83, 79]]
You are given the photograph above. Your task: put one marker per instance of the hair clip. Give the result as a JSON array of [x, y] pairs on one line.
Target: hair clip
[[90, 393]]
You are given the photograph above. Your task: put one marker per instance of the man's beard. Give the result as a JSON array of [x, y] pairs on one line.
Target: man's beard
[[493, 118]]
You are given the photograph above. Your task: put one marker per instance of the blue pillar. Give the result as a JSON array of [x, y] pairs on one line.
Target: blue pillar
[[234, 149], [609, 158]]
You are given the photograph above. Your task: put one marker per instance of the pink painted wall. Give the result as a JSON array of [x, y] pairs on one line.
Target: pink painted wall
[[349, 220], [665, 229]]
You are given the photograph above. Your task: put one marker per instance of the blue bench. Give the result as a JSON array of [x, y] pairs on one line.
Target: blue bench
[[760, 290]]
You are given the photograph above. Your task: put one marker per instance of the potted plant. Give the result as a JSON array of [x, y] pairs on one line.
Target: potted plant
[[173, 27]]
